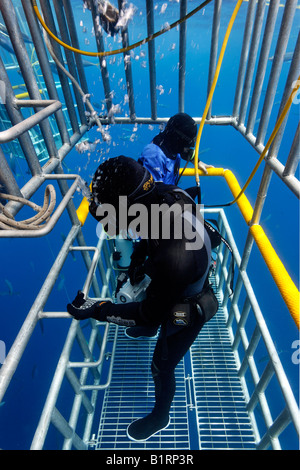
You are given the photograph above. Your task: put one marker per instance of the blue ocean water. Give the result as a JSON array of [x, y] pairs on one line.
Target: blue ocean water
[[25, 263]]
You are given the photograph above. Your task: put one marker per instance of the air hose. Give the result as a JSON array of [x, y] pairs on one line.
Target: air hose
[[124, 49], [264, 152], [214, 83], [268, 144], [208, 103], [8, 222]]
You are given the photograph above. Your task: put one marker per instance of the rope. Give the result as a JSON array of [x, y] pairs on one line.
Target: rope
[[124, 49], [8, 222]]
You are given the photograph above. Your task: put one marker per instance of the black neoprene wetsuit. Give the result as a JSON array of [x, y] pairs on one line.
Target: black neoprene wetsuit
[[176, 272], [171, 265]]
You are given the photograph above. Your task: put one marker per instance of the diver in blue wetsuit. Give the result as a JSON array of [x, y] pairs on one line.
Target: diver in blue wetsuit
[[178, 298], [163, 155]]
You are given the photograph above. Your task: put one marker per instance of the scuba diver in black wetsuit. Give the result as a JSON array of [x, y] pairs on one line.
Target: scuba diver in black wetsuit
[[178, 297], [162, 157]]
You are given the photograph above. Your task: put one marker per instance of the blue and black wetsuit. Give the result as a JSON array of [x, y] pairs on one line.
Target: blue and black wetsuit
[[163, 167]]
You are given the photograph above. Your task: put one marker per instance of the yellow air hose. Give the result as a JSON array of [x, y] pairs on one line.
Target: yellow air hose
[[124, 49], [263, 154], [21, 96], [210, 96], [271, 138], [208, 103]]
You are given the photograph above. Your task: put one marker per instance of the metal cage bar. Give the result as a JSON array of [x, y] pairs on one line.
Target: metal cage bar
[[244, 57], [253, 51], [294, 155], [71, 127], [291, 78], [182, 57], [45, 67], [284, 33], [262, 64], [151, 60], [214, 48], [128, 70], [14, 31], [261, 329], [16, 118], [47, 12], [75, 43], [103, 64], [60, 15]]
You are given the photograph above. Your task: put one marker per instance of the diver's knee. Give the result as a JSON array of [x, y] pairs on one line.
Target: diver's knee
[[161, 370], [154, 369]]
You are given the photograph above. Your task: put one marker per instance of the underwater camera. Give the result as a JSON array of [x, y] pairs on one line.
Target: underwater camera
[[129, 293]]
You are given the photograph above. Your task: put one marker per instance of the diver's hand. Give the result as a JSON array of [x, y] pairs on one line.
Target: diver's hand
[[81, 308], [203, 166]]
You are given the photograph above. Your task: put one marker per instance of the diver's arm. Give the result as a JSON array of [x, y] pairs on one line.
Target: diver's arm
[[136, 271], [130, 314]]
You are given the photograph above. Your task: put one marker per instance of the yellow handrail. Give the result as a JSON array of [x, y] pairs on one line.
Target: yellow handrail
[[83, 211], [285, 284]]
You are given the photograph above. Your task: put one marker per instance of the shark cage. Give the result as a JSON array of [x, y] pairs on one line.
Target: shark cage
[[235, 390]]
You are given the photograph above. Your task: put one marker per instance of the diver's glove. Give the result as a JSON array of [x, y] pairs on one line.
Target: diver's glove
[[81, 308]]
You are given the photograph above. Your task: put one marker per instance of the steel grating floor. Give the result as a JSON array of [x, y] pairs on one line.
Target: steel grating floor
[[208, 411], [131, 396], [222, 418]]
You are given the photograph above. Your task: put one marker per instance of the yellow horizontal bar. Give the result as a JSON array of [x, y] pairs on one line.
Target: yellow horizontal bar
[[285, 284], [20, 96], [243, 203], [287, 288], [83, 210]]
